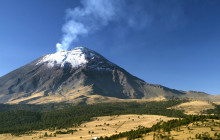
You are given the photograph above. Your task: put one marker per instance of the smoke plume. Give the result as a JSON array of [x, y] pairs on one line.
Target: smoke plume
[[90, 17], [128, 15]]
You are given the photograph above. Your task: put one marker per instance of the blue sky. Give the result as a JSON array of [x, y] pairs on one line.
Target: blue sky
[[175, 43]]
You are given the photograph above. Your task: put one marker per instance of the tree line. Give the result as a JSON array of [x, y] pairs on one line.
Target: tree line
[[164, 126], [22, 121]]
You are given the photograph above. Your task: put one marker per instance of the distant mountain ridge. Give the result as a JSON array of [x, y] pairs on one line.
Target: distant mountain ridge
[[76, 76]]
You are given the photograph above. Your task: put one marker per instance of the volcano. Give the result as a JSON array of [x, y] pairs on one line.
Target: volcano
[[76, 76]]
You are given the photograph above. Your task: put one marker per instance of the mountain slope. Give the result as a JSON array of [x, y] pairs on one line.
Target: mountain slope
[[74, 76]]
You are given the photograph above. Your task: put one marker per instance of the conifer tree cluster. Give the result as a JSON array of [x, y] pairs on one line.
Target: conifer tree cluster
[[18, 122]]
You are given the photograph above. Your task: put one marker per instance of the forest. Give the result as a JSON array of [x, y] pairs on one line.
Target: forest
[[34, 107], [216, 110], [20, 119]]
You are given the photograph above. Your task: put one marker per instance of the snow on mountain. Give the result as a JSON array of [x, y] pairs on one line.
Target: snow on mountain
[[86, 73], [77, 57]]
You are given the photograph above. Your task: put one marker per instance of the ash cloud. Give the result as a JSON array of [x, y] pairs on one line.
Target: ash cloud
[[90, 17], [93, 15]]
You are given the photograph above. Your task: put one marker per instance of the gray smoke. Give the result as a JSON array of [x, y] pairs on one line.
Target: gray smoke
[[90, 17]]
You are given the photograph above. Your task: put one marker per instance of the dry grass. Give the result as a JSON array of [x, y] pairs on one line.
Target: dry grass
[[101, 126], [75, 96], [217, 103], [194, 107], [188, 132], [57, 98]]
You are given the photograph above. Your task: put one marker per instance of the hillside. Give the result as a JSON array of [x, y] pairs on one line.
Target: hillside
[[114, 120], [77, 75], [97, 127], [19, 121]]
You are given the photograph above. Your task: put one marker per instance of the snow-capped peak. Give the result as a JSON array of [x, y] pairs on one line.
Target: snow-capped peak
[[76, 57]]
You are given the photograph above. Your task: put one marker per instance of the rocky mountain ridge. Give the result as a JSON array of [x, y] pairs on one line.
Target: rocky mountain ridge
[[76, 76]]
